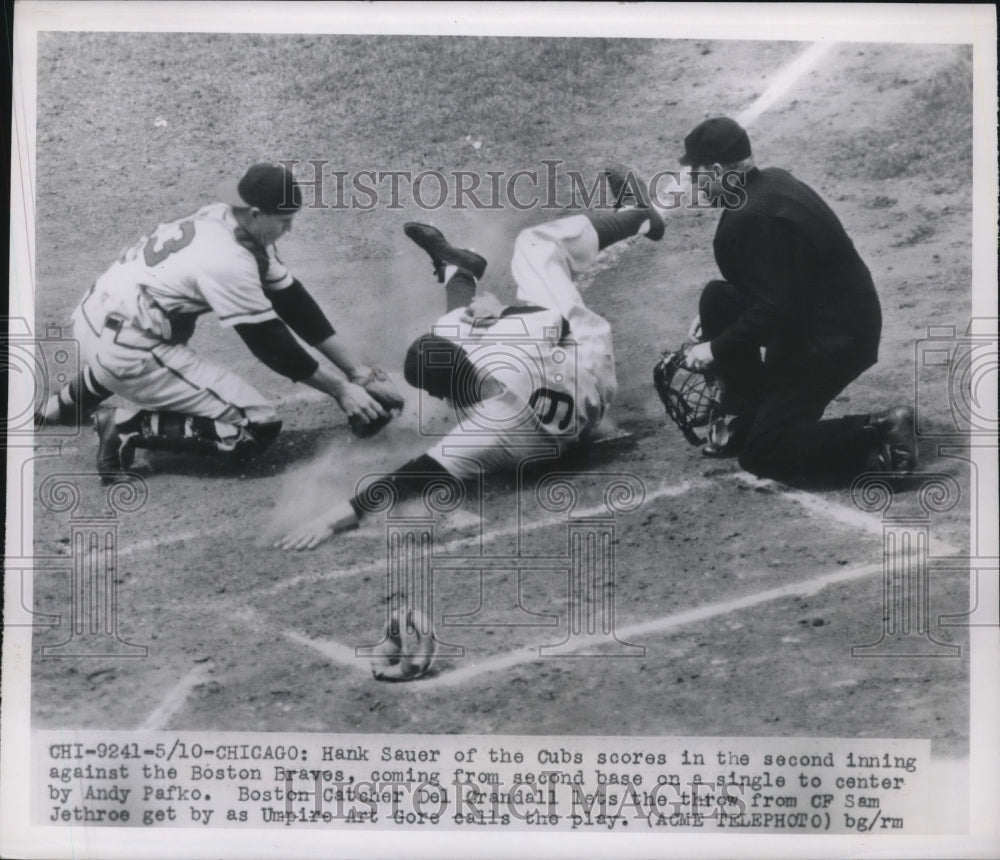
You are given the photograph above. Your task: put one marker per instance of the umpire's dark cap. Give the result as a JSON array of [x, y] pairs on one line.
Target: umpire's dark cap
[[719, 140], [441, 368], [268, 187]]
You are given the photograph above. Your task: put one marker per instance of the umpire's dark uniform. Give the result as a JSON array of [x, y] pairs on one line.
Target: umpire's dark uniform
[[795, 285]]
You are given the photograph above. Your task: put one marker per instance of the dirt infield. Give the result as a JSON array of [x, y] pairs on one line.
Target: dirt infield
[[744, 598]]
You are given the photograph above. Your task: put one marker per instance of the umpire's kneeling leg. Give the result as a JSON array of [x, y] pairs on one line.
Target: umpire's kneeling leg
[[789, 439]]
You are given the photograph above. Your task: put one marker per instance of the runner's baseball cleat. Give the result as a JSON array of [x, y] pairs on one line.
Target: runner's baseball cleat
[[442, 253]]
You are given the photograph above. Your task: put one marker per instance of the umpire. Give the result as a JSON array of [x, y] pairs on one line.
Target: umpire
[[793, 285]]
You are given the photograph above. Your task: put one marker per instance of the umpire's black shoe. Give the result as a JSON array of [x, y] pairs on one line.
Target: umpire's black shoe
[[629, 189], [895, 441], [443, 254], [114, 452]]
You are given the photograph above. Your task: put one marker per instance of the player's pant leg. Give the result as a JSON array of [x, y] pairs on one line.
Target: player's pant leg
[[547, 257], [75, 400], [177, 379], [179, 400], [194, 405], [545, 260], [466, 455]]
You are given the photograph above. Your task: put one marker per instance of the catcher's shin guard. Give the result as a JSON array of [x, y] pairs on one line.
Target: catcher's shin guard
[[179, 433]]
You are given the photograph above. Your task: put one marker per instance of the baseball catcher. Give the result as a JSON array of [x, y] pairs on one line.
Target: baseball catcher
[[134, 324], [535, 376]]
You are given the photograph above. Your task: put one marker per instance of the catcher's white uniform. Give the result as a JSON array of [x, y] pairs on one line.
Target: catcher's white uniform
[[551, 355], [134, 323]]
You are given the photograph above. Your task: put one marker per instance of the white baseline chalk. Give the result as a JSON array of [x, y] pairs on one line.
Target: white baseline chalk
[[784, 81], [530, 654], [175, 699]]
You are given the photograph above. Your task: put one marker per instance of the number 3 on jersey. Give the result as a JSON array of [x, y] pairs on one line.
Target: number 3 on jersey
[[546, 403], [154, 256]]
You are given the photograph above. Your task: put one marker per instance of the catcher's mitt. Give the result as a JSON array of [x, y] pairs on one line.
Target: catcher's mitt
[[692, 399], [407, 650], [380, 389]]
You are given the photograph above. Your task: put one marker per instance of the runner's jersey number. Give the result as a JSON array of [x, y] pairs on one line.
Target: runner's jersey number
[[547, 405]]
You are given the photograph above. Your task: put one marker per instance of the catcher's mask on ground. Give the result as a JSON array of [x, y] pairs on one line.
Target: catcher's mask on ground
[[442, 369], [692, 399]]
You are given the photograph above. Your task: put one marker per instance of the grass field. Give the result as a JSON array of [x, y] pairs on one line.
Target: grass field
[[730, 587]]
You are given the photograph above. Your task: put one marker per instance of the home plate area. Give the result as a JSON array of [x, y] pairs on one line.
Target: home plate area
[[677, 599]]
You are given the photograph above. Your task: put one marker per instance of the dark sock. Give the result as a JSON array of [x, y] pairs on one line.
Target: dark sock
[[81, 395], [612, 227], [408, 481], [459, 290]]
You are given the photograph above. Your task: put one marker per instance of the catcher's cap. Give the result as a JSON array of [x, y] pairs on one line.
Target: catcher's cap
[[719, 140], [269, 187]]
